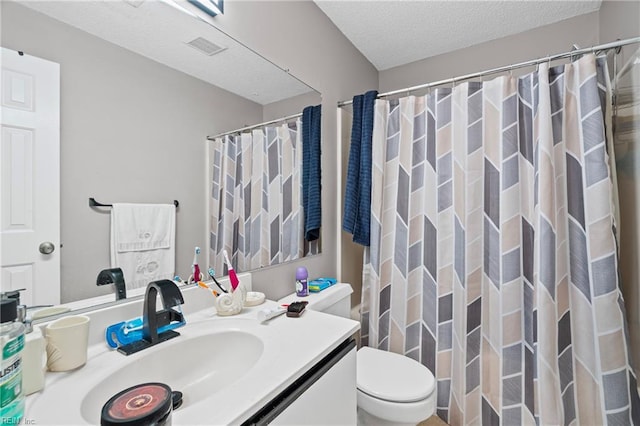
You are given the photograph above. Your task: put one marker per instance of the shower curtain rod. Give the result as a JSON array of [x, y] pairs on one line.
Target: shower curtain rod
[[210, 138], [606, 46]]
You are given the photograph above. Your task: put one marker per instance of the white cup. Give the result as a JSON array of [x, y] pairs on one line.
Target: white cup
[[67, 341]]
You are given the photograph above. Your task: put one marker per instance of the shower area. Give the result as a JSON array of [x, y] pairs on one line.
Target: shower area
[[504, 236], [626, 136]]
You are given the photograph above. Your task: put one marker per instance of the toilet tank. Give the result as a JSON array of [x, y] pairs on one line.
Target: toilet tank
[[335, 300]]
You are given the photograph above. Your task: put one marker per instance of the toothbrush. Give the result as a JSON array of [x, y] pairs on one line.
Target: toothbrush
[[195, 268], [233, 278], [212, 274], [206, 287]]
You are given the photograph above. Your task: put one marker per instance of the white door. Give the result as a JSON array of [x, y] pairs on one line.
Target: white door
[[30, 178]]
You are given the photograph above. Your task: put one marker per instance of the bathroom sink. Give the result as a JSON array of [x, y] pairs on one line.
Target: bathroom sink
[[197, 366], [207, 358], [226, 368]]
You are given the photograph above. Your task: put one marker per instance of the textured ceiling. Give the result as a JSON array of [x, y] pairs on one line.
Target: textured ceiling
[[160, 31], [398, 32]]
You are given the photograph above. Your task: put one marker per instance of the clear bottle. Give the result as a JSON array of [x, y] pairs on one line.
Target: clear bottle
[[11, 345]]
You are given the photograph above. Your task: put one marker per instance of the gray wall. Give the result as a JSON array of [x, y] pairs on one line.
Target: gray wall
[[287, 107], [132, 130], [298, 36], [620, 20], [350, 252], [536, 43]]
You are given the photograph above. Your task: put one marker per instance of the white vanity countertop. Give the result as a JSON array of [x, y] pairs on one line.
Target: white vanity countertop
[[290, 347]]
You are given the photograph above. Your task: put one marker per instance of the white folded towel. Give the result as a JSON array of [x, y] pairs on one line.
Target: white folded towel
[[143, 242]]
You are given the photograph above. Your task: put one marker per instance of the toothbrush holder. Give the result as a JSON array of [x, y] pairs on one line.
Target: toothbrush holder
[[228, 304]]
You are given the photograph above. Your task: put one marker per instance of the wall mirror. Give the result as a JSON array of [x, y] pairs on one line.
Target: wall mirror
[[142, 85]]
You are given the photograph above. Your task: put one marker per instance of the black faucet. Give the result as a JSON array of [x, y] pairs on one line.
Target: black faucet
[[113, 276], [153, 319]]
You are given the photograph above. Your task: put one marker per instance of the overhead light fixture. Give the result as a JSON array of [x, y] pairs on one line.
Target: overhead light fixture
[[210, 7]]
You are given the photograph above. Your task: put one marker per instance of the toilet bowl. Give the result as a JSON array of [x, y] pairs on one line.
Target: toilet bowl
[[392, 389]]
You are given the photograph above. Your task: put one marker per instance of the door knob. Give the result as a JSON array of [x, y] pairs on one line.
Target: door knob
[[46, 247]]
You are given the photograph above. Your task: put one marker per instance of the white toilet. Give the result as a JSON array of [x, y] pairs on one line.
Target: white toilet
[[392, 389]]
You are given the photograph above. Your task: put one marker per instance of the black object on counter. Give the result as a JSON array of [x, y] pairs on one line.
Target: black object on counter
[[140, 405]]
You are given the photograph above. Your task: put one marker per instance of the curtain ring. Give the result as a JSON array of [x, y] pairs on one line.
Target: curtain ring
[[592, 50]]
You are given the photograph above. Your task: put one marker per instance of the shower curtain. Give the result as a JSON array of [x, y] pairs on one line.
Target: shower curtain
[[256, 209], [493, 254]]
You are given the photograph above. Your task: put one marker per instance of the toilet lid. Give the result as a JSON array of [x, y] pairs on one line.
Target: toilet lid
[[392, 377]]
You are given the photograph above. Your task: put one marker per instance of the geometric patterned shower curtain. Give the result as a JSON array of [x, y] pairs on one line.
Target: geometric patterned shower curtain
[[493, 257], [256, 209]]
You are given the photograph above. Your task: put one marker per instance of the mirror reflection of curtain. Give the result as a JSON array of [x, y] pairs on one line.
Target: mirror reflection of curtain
[[256, 198], [493, 257]]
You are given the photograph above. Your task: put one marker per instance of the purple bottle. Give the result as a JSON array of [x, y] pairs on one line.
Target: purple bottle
[[302, 288]]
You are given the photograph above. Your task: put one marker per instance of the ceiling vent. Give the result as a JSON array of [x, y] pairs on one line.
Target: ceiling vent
[[205, 46]]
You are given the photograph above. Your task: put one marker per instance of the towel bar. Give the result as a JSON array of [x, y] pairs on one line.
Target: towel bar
[[94, 203]]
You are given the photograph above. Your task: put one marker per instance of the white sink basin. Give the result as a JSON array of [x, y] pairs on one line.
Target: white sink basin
[[226, 368], [197, 366]]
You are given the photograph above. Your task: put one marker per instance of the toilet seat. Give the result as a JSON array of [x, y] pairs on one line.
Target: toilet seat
[[397, 412], [392, 377]]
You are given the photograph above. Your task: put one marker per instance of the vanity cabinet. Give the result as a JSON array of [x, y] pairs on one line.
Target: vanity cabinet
[[324, 395]]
